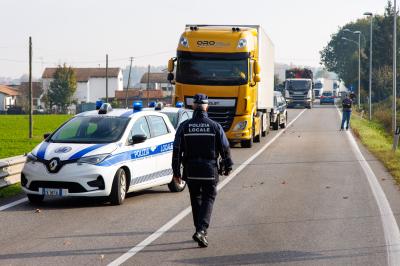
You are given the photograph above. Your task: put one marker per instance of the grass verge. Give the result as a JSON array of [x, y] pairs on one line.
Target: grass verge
[[14, 132], [10, 191], [378, 142]]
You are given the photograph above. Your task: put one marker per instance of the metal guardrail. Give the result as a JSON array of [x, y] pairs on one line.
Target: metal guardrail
[[10, 170]]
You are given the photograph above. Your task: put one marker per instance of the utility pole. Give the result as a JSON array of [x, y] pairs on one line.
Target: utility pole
[[106, 78], [148, 83], [394, 115], [30, 89], [127, 86], [371, 17]]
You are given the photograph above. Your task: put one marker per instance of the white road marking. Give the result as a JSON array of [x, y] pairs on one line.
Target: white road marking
[[132, 252], [12, 204], [390, 227]]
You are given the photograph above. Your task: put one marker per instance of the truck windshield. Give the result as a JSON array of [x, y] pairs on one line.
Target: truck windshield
[[298, 85], [212, 71], [91, 129], [318, 86]]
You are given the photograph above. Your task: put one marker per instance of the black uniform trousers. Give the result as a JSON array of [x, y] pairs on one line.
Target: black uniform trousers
[[202, 197]]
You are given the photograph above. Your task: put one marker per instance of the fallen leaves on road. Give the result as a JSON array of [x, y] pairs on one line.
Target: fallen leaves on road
[[327, 187], [38, 211], [383, 179], [102, 257], [345, 197], [283, 182], [67, 243]]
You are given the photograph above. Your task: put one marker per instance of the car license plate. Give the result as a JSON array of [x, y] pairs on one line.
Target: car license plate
[[54, 191]]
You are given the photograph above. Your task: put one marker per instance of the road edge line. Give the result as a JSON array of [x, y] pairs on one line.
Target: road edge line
[[389, 223], [154, 236]]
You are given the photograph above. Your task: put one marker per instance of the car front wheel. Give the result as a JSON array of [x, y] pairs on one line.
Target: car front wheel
[[118, 191]]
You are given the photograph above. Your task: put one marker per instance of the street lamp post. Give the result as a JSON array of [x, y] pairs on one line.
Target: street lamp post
[[359, 62], [370, 15]]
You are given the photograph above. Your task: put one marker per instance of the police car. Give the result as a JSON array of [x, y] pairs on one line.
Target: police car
[[103, 153], [176, 115]]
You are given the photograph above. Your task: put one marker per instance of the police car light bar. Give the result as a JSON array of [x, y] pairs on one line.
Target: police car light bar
[[99, 104], [152, 104], [179, 104], [105, 108], [137, 106]]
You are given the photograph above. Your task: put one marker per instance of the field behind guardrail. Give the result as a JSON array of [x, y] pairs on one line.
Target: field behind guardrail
[[14, 132]]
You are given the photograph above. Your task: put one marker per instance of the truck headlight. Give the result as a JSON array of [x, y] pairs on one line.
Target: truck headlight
[[240, 126], [95, 159], [242, 43], [31, 158], [184, 42]]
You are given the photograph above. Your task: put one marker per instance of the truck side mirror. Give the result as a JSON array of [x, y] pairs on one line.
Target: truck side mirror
[[46, 135], [171, 65], [170, 77], [257, 78], [256, 68]]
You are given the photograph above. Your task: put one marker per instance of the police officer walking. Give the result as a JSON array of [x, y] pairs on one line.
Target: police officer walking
[[199, 142]]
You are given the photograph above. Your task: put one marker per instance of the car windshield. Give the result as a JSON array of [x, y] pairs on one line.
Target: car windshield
[[173, 117], [91, 129], [212, 71], [298, 85], [327, 93], [318, 85]]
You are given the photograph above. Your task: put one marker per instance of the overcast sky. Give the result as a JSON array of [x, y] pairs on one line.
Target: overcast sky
[[81, 32]]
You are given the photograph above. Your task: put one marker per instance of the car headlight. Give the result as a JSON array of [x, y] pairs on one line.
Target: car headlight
[[184, 42], [242, 43], [31, 158], [240, 126], [95, 159]]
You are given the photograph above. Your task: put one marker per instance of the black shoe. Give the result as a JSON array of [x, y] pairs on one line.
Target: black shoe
[[201, 239], [347, 128]]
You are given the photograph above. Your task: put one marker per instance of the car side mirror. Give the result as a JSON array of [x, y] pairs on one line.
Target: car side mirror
[[46, 135], [138, 139], [257, 78]]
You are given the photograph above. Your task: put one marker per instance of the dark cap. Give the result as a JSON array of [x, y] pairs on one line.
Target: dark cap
[[200, 98]]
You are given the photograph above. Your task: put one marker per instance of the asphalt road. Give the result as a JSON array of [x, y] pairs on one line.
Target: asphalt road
[[305, 200]]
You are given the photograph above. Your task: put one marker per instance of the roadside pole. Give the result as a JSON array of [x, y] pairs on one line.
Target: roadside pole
[[148, 83], [127, 86], [394, 111], [106, 78], [396, 139], [30, 89]]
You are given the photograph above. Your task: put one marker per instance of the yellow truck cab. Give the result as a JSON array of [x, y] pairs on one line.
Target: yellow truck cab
[[234, 66]]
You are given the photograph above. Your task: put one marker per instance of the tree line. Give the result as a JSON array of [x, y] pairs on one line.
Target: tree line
[[341, 56]]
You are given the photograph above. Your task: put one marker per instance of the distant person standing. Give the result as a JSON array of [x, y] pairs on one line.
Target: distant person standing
[[346, 107]]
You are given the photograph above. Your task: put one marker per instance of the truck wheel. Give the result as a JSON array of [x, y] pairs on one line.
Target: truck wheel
[[174, 186], [275, 125], [118, 191], [258, 137], [36, 199], [266, 130], [248, 143]]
